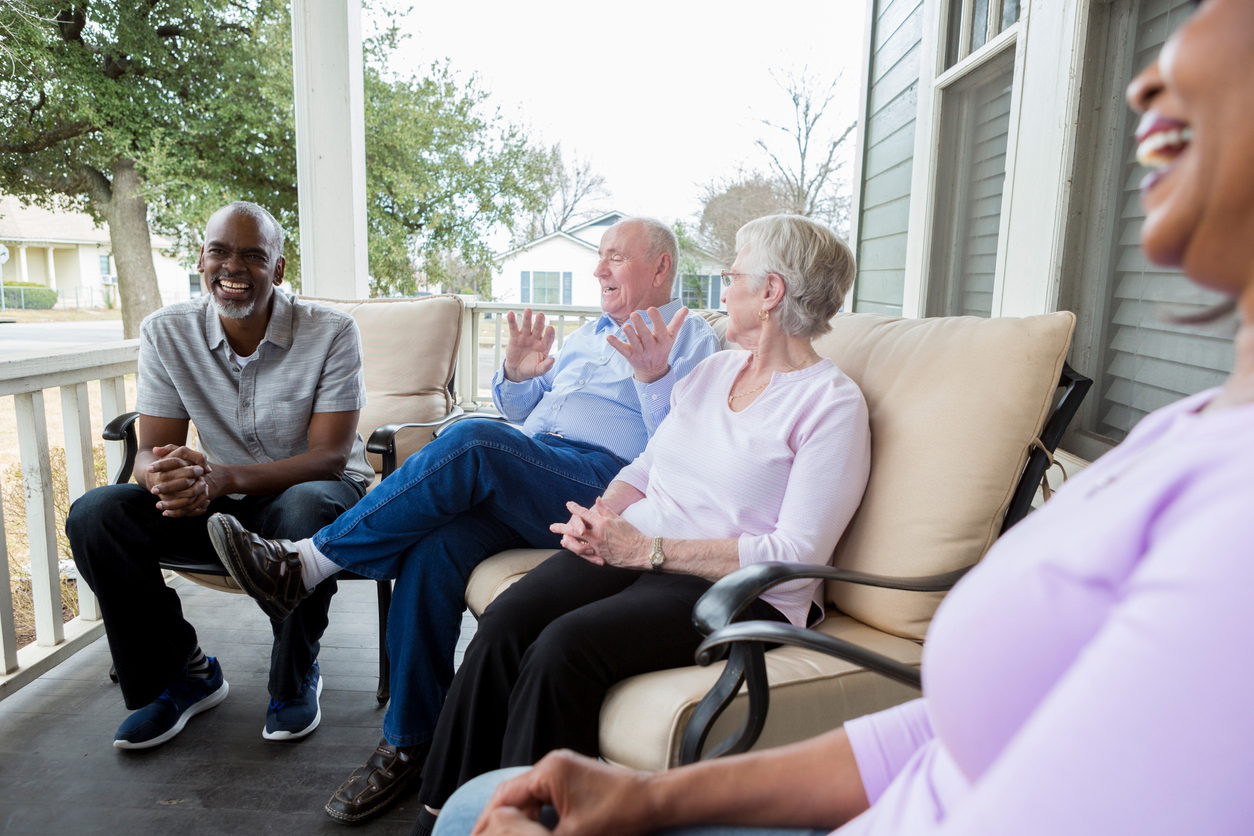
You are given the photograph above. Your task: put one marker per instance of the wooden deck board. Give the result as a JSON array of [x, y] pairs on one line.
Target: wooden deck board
[[59, 772]]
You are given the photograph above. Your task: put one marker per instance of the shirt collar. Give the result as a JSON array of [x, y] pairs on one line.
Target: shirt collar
[[668, 312], [278, 329]]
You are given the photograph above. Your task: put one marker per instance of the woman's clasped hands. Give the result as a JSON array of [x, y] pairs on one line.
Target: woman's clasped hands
[[601, 536]]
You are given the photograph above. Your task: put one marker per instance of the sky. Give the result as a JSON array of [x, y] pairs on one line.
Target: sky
[[661, 97]]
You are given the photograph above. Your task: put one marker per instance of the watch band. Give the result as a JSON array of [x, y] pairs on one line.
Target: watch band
[[657, 557]]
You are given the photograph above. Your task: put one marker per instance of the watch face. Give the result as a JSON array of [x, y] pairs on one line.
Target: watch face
[[656, 559]]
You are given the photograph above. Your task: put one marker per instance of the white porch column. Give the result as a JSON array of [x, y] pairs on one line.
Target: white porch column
[[52, 267], [22, 275], [330, 147]]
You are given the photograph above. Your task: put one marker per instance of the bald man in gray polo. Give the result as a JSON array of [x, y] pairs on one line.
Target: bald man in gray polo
[[273, 386]]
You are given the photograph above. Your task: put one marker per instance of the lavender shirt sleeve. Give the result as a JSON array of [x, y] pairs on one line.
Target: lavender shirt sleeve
[[883, 742]]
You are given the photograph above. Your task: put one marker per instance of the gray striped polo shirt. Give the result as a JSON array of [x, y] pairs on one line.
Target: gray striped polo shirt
[[309, 361]]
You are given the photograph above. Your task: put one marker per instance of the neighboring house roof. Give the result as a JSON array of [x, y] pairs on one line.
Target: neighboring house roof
[[534, 242], [37, 225], [608, 219]]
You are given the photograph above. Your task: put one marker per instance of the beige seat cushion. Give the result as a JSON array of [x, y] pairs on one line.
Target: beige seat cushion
[[643, 718], [498, 573], [954, 403]]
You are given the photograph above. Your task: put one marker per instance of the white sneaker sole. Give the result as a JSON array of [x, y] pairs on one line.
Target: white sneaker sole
[[204, 705], [289, 735]]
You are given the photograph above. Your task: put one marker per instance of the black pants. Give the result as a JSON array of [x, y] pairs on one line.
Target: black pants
[[118, 536], [544, 656]]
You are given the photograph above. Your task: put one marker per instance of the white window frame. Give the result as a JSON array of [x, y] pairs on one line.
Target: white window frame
[[1049, 43]]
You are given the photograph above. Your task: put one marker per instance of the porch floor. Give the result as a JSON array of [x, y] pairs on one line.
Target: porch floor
[[60, 774]]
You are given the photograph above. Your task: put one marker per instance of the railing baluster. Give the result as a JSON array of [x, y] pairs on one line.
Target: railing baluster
[[466, 360], [8, 631], [113, 404], [80, 469], [561, 331], [496, 346], [477, 320], [41, 533]]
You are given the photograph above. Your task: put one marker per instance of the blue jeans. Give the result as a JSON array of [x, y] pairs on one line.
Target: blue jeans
[[480, 488], [458, 816]]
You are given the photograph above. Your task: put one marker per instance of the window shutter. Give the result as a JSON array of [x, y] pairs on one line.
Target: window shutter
[[524, 295], [567, 279]]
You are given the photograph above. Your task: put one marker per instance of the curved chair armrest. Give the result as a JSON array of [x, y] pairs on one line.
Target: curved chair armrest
[[122, 428], [776, 633], [383, 440], [730, 595], [472, 416]]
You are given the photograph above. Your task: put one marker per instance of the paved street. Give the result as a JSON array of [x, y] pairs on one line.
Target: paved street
[[18, 337]]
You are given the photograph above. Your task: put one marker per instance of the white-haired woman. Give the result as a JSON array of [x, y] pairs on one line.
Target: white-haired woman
[[764, 456]]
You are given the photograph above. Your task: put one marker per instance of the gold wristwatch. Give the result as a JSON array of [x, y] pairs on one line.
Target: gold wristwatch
[[657, 557]]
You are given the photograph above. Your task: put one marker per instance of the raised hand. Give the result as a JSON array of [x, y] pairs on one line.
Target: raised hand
[[648, 351], [527, 354]]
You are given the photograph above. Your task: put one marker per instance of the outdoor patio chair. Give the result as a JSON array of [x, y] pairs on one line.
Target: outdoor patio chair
[[409, 351], [965, 413]]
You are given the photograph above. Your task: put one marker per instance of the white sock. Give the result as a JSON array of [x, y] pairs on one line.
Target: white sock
[[315, 567]]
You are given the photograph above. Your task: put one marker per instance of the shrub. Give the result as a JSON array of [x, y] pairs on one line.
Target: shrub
[[35, 297]]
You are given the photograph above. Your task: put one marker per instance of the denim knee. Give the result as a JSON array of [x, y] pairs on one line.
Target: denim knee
[[306, 507], [459, 814]]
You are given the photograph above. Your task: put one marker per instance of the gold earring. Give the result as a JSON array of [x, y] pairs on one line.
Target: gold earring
[[764, 315]]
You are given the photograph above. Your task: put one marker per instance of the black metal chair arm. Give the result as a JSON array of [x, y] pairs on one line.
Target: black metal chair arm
[[122, 428], [725, 600], [383, 440], [777, 633]]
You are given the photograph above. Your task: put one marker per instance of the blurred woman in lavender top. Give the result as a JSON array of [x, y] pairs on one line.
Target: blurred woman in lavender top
[[1092, 675]]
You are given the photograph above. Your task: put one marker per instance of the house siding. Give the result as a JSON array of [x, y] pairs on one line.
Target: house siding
[[888, 156]]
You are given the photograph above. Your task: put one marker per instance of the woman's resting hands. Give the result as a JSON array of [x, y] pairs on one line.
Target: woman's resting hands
[[601, 536]]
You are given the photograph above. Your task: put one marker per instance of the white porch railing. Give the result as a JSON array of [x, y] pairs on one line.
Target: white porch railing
[[484, 336], [26, 377]]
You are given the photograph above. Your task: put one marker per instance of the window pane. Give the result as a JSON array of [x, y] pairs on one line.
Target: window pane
[[1009, 14], [546, 288], [1149, 361], [953, 38], [694, 290], [976, 117], [979, 29]]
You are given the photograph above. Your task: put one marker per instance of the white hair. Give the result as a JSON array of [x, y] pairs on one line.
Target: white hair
[[816, 265]]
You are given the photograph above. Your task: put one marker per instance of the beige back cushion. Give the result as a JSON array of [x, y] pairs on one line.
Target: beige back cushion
[[410, 350], [954, 403]]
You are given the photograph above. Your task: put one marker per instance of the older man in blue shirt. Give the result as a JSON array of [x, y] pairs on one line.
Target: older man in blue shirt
[[483, 487]]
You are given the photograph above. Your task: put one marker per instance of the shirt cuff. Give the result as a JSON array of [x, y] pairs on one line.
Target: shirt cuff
[[883, 742], [656, 396]]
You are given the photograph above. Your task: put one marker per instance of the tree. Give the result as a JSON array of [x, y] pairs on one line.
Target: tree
[[805, 172], [570, 192], [138, 104], [730, 203], [441, 172]]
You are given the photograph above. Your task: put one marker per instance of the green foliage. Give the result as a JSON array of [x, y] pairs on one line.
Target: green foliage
[[441, 172], [198, 94], [35, 297]]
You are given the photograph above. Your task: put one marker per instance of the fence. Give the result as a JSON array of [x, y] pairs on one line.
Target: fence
[[484, 337], [485, 333], [26, 379]]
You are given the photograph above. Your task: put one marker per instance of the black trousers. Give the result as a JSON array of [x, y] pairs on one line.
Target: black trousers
[[544, 656], [118, 537]]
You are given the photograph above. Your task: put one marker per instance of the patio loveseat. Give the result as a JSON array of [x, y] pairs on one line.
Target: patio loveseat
[[962, 433]]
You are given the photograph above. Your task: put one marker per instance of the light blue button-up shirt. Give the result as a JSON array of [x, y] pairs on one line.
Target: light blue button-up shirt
[[591, 394]]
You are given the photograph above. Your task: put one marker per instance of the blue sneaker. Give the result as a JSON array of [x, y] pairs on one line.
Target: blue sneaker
[[298, 716], [166, 716]]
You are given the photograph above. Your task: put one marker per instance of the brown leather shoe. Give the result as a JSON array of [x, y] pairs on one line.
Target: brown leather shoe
[[372, 788], [268, 570]]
